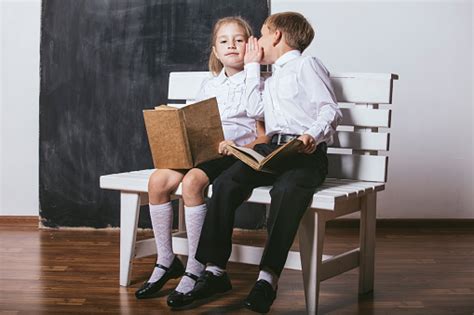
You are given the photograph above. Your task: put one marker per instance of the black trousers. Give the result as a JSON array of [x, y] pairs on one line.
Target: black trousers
[[293, 189]]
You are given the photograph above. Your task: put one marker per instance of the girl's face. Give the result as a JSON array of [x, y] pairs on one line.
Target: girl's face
[[229, 47]]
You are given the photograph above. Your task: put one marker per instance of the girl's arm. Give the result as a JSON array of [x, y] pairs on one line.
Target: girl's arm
[[261, 137]]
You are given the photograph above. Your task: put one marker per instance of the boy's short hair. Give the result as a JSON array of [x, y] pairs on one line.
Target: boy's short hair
[[298, 31]]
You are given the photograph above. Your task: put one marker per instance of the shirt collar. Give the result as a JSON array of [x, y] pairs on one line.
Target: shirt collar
[[235, 79], [286, 57]]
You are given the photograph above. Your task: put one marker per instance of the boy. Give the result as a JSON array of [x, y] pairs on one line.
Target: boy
[[298, 102]]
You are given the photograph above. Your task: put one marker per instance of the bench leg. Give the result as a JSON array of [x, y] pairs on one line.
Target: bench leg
[[311, 236], [129, 211], [367, 243]]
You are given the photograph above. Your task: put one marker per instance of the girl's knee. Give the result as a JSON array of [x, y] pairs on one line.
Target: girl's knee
[[195, 181], [163, 181]]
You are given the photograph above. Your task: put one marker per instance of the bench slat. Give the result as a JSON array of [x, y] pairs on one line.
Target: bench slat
[[361, 167], [361, 140], [363, 88], [372, 88], [366, 117]]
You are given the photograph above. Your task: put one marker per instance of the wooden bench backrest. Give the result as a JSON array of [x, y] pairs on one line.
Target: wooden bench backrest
[[358, 144]]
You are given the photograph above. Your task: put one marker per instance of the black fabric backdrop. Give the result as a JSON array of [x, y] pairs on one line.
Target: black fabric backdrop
[[102, 62]]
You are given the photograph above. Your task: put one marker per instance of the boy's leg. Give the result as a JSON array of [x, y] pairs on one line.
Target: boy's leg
[[291, 194], [229, 191]]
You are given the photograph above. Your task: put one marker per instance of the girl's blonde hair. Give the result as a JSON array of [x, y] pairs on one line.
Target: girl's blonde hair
[[215, 66]]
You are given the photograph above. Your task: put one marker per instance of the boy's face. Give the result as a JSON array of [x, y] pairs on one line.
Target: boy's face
[[266, 42], [229, 47]]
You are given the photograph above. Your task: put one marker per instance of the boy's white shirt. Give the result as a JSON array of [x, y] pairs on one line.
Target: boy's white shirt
[[297, 99], [237, 125]]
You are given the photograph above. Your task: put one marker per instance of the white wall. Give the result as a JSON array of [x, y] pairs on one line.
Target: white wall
[[430, 45], [19, 107]]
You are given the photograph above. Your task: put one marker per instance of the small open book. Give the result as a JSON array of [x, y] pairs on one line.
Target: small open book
[[270, 163]]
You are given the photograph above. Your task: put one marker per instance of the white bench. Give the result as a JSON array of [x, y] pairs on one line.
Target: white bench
[[356, 173]]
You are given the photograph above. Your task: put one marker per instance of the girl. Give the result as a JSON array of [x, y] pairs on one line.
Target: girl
[[226, 62]]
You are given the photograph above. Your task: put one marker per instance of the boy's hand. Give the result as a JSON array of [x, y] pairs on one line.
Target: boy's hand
[[253, 51], [309, 144], [222, 147]]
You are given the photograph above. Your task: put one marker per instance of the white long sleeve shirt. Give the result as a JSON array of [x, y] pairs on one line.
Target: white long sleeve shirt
[[297, 99], [237, 125]]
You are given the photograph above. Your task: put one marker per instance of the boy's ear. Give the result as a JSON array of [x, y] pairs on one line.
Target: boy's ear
[[277, 37], [215, 52]]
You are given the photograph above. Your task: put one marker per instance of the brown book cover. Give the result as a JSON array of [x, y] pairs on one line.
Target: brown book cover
[[181, 138], [270, 163]]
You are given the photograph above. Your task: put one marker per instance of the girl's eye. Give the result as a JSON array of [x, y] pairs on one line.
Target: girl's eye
[[223, 41], [240, 40]]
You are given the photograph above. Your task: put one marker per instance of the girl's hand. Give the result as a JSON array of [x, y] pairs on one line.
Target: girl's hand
[[253, 51], [222, 147], [309, 144]]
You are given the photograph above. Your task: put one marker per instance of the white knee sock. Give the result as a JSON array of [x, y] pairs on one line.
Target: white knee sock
[[194, 217], [268, 276], [162, 222]]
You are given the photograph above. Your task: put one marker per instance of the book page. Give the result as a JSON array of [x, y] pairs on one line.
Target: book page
[[252, 153]]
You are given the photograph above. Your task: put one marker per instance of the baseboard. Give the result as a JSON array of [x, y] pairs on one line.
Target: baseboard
[[339, 223], [20, 220], [406, 223]]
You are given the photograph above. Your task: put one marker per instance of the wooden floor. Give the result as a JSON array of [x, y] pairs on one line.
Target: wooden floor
[[418, 271]]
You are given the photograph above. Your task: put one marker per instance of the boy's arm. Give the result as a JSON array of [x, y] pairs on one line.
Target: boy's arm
[[254, 85], [316, 83]]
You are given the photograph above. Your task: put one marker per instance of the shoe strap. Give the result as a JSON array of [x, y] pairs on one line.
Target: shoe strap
[[192, 276], [162, 267]]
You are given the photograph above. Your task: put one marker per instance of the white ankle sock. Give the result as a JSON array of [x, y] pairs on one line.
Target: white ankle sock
[[268, 276], [162, 222], [194, 217], [216, 271]]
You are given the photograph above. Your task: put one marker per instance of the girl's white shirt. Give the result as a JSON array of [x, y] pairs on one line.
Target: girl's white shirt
[[237, 124]]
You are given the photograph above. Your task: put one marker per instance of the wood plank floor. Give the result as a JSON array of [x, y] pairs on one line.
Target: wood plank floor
[[418, 271]]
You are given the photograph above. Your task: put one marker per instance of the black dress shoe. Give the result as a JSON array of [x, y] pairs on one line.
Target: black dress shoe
[[261, 297], [150, 289], [179, 299], [208, 284]]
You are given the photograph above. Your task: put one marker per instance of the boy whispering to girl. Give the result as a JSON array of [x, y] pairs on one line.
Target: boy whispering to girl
[[296, 102]]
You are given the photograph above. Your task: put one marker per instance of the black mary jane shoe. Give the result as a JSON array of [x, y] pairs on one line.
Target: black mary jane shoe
[[150, 289], [177, 299], [261, 298]]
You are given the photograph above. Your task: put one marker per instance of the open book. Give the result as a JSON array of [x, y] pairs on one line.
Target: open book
[[181, 138], [270, 163]]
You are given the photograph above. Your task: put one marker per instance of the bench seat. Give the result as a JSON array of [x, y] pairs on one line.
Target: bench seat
[[327, 196]]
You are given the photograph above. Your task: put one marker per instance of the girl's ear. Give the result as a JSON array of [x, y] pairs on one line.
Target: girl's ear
[[215, 52], [277, 37]]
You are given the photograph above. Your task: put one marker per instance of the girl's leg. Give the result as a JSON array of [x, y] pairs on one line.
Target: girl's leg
[[162, 184], [194, 184]]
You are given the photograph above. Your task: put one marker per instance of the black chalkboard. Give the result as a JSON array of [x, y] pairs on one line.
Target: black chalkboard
[[102, 62]]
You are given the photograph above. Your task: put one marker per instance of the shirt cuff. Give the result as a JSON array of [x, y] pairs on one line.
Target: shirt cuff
[[316, 133], [252, 70]]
